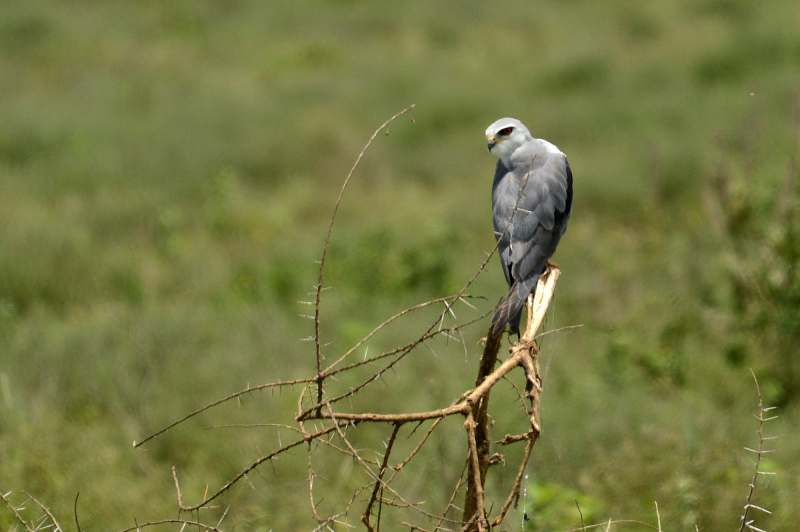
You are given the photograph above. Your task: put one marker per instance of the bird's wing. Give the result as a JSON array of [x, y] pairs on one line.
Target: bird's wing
[[503, 201], [541, 215]]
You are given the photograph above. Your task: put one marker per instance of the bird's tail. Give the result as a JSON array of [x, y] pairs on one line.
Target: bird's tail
[[510, 310]]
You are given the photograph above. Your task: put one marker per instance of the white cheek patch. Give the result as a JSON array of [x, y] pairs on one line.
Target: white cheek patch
[[503, 148]]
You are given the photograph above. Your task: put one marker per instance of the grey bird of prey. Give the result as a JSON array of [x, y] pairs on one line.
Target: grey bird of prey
[[531, 205]]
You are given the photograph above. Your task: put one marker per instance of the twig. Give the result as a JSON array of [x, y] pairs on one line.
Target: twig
[[15, 511], [398, 353], [374, 496], [610, 522], [305, 439], [454, 495], [75, 510], [759, 453], [183, 522], [236, 395], [513, 497], [658, 517], [476, 477], [318, 296], [369, 470], [46, 510], [330, 369]]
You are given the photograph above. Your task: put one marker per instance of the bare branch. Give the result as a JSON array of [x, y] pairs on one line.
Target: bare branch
[[325, 250], [372, 499], [184, 522], [306, 439], [46, 510], [476, 475], [759, 454], [330, 369], [15, 511], [607, 525], [523, 354], [513, 497], [75, 510], [236, 395]]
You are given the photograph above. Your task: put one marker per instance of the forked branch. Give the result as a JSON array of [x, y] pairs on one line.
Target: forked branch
[[321, 421], [525, 355]]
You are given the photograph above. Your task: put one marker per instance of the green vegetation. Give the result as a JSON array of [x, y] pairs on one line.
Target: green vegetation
[[168, 170]]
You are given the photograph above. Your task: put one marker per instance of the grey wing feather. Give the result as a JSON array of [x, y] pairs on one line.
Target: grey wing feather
[[528, 226], [502, 210], [545, 196]]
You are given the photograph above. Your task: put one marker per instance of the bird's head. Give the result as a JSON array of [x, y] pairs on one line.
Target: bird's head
[[505, 136]]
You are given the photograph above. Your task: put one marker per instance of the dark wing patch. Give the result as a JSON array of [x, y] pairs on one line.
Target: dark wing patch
[[561, 217]]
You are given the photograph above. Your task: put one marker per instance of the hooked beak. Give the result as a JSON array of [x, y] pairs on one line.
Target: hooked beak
[[492, 143]]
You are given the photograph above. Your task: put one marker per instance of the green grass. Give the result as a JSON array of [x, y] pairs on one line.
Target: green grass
[[168, 170]]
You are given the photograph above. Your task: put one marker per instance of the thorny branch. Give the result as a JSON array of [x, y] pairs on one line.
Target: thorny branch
[[318, 287], [184, 522], [306, 439], [524, 355], [373, 498], [31, 526], [318, 422], [759, 452], [16, 511]]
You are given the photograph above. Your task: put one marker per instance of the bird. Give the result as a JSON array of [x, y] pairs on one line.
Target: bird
[[531, 205]]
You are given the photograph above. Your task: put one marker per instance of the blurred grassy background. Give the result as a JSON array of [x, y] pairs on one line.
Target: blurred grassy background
[[168, 169]]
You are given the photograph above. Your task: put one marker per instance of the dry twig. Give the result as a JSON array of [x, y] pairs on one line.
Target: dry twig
[[759, 452]]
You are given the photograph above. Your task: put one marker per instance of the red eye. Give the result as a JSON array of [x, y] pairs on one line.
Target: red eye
[[506, 131]]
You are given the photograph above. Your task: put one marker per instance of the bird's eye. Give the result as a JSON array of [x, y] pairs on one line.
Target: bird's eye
[[506, 131]]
